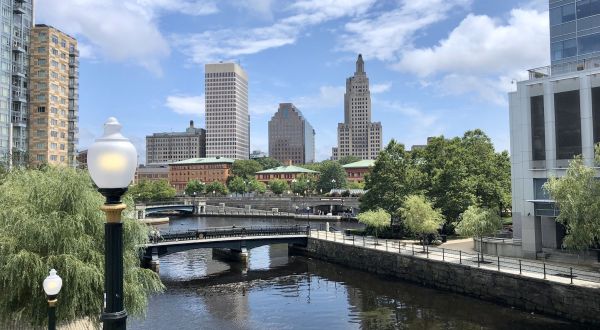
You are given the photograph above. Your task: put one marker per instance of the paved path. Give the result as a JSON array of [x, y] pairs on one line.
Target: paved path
[[535, 269]]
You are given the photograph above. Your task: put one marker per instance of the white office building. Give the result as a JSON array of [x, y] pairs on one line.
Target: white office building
[[227, 119]]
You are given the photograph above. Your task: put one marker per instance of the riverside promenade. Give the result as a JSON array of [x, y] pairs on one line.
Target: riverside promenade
[[568, 292]]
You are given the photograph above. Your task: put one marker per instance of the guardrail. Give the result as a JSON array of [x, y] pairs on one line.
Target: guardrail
[[222, 232], [500, 264]]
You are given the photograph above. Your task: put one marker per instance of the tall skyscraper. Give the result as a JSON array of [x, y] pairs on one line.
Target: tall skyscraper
[[227, 120], [17, 18], [54, 109], [357, 135], [291, 137], [163, 148], [573, 31]]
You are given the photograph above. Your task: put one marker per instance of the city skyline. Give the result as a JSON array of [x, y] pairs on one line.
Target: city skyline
[[152, 87]]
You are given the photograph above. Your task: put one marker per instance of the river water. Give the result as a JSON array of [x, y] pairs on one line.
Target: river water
[[277, 291]]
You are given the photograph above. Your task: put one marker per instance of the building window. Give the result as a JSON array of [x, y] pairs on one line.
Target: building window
[[589, 44], [562, 14], [596, 113], [564, 49], [538, 131], [587, 8], [568, 124], [41, 109]]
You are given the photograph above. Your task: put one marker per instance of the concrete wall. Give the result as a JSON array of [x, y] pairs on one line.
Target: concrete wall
[[497, 247], [576, 303]]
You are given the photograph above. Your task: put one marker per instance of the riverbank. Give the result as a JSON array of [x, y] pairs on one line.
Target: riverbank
[[578, 302]]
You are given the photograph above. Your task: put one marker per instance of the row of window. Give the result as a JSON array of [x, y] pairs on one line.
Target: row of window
[[572, 11]]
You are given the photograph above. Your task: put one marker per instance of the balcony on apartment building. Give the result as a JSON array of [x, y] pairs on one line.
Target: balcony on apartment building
[[565, 67]]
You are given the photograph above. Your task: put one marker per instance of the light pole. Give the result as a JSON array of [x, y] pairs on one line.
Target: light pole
[[111, 162], [52, 285]]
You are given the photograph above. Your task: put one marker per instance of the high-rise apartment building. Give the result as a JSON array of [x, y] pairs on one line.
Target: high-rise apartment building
[[163, 148], [554, 116], [574, 33], [54, 94], [357, 135], [17, 22], [291, 137], [227, 120]]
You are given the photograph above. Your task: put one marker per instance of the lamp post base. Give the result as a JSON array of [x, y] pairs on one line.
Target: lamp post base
[[114, 321]]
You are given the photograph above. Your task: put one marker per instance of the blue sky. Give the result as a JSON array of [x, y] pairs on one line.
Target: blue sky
[[435, 66]]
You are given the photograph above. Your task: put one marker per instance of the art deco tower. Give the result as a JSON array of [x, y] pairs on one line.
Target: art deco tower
[[357, 135]]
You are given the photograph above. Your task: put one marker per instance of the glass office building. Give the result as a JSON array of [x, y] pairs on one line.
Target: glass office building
[[574, 30]]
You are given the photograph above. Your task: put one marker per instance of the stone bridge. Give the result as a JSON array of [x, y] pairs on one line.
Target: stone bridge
[[292, 204], [231, 242]]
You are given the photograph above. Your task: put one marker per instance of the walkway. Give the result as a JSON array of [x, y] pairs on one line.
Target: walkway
[[529, 268]]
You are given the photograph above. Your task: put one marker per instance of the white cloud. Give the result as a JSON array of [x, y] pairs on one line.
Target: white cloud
[[381, 88], [262, 8], [384, 36], [226, 44], [327, 98], [184, 105], [482, 44], [118, 30]]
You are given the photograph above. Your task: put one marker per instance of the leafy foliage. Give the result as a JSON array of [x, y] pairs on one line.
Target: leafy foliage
[[376, 219], [478, 222], [268, 162], [303, 184], [577, 195], [348, 159], [278, 186], [245, 168], [356, 185], [54, 221], [237, 185], [333, 176], [194, 186], [216, 187], [420, 217], [256, 186], [152, 190]]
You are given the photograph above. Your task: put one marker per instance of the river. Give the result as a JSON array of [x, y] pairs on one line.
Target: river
[[277, 291]]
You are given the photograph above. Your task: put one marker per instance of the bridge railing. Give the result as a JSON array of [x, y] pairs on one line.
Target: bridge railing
[[501, 264], [222, 232]]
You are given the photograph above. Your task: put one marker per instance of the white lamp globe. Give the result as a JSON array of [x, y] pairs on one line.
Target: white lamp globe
[[112, 158], [52, 284]]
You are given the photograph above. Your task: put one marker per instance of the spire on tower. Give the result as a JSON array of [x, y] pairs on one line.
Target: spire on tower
[[360, 64]]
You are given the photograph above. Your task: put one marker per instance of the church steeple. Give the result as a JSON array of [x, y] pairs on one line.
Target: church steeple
[[360, 64]]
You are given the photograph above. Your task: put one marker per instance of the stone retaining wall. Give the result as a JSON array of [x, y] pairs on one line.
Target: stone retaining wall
[[577, 303]]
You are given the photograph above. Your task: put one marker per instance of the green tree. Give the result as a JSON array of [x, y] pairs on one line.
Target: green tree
[[194, 186], [256, 186], [303, 184], [245, 168], [349, 159], [268, 162], [394, 176], [577, 195], [356, 185], [479, 222], [278, 186], [152, 190], [216, 187], [333, 176], [237, 185], [377, 219], [420, 217], [54, 221]]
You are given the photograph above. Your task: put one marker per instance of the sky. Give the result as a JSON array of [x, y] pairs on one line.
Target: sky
[[436, 67]]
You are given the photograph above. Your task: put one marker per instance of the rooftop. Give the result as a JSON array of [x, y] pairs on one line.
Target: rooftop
[[211, 160], [286, 169], [361, 164], [566, 67]]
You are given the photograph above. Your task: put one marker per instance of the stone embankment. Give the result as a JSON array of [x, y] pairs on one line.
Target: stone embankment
[[577, 302]]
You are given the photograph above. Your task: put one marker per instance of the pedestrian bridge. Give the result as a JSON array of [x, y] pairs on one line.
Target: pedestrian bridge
[[238, 240]]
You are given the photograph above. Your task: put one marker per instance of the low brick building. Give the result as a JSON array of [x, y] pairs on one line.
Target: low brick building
[[151, 173], [355, 172], [205, 170], [288, 173]]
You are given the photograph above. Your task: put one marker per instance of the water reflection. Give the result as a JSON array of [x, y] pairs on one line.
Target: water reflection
[[278, 291]]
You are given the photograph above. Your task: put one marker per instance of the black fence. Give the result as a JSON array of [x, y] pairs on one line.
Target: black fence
[[501, 264], [222, 232]]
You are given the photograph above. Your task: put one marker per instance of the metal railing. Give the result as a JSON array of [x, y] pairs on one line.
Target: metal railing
[[529, 268], [223, 232], [572, 66]]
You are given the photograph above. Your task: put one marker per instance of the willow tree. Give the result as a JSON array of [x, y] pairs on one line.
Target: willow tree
[[478, 222], [51, 218], [420, 217], [378, 220]]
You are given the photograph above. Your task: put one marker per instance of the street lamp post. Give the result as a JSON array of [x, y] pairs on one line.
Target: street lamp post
[[111, 162], [52, 285]]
